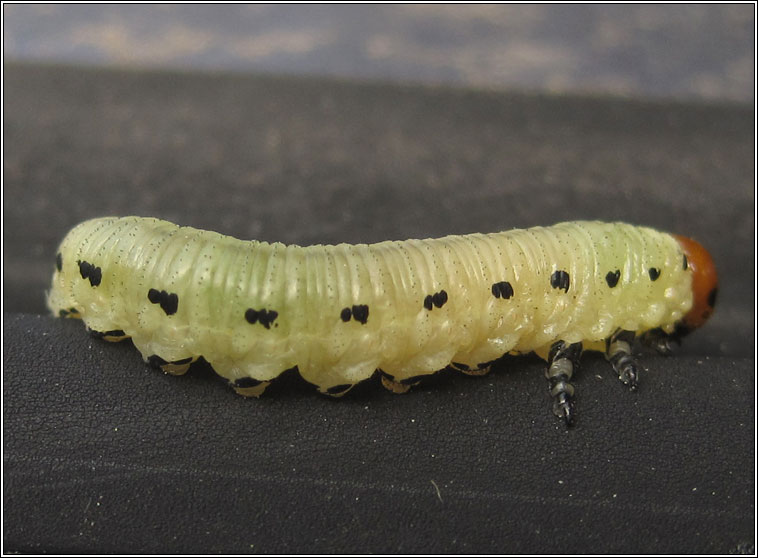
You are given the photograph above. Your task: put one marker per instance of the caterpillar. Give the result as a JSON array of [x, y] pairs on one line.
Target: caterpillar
[[406, 309]]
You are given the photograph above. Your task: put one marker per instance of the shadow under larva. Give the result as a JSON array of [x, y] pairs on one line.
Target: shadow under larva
[[337, 314]]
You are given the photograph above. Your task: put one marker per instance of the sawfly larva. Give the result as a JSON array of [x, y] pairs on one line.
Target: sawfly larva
[[407, 309]]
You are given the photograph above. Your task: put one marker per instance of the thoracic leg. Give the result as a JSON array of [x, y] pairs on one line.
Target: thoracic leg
[[619, 353], [563, 361]]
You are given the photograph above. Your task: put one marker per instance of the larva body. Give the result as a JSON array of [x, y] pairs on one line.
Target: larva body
[[339, 313]]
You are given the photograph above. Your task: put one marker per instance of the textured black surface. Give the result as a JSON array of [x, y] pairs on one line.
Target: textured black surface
[[103, 453]]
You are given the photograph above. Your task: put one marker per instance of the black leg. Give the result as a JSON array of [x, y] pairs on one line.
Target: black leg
[[563, 361], [618, 351]]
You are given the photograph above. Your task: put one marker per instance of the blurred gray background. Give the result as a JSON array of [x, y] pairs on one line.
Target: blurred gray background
[[673, 51]]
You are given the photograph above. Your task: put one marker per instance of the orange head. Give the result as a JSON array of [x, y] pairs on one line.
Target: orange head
[[704, 282]]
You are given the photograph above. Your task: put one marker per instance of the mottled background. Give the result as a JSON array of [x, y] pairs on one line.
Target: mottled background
[[682, 51]]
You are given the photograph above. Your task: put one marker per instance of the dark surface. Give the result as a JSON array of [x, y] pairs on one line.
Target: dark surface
[[104, 454]]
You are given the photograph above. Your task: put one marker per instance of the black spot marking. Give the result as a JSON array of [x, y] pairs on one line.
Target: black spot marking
[[247, 382], [654, 273], [169, 302], [59, 261], [262, 316], [560, 280], [338, 388], [360, 313], [346, 314], [685, 263], [63, 313], [267, 318], [91, 272], [612, 278], [437, 299], [503, 289], [712, 297]]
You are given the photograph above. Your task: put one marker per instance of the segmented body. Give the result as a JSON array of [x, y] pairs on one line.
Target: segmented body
[[338, 313]]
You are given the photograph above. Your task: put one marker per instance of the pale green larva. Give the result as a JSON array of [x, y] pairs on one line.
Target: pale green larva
[[340, 313]]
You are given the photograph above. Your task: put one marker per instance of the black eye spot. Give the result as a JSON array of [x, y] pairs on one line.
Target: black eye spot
[[59, 261], [612, 278], [654, 273], [346, 314], [685, 263], [503, 289], [560, 280], [428, 302]]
